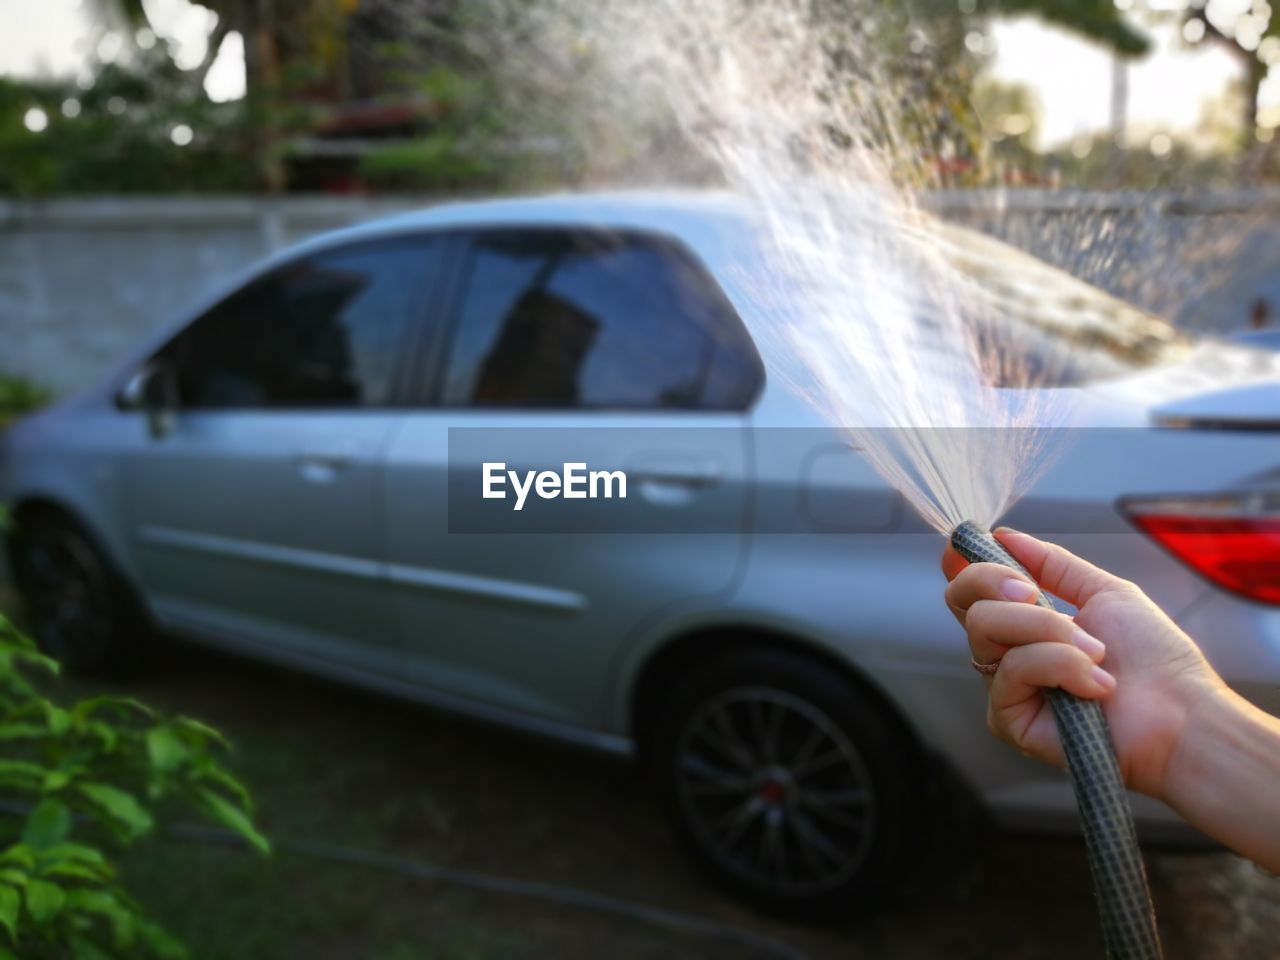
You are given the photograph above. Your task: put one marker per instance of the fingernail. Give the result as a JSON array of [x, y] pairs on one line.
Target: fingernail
[[1008, 533], [1018, 590], [1091, 645], [1103, 679]]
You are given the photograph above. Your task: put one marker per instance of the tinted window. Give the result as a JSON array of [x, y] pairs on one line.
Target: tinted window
[[550, 319], [324, 331], [1038, 326]]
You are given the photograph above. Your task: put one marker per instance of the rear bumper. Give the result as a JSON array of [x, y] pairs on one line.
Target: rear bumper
[[1242, 641], [1048, 806]]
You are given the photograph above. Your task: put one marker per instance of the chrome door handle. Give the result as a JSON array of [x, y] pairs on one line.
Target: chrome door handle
[[676, 485], [693, 477], [323, 467], [334, 461]]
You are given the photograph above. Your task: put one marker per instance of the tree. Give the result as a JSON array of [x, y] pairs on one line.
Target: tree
[[936, 60], [1098, 20], [1252, 38], [296, 44]]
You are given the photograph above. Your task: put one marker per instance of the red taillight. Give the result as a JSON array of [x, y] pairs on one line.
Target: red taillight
[[1232, 541]]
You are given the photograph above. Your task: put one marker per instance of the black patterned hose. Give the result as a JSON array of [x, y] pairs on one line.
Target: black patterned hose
[[1106, 819]]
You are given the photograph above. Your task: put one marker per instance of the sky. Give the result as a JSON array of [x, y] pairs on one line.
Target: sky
[[1069, 77], [56, 37]]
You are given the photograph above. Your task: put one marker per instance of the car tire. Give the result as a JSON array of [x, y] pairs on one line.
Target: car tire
[[790, 782], [80, 610]]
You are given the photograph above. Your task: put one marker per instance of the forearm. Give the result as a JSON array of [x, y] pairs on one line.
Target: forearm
[[1225, 777]]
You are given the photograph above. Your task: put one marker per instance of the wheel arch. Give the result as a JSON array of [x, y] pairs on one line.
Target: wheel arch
[[31, 506], [699, 645]]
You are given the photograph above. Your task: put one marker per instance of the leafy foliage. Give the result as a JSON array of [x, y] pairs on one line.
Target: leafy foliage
[[463, 148], [139, 127], [81, 782], [1251, 38], [18, 396], [1099, 20]]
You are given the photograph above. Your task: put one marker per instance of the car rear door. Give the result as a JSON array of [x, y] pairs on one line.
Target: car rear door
[[614, 350], [255, 517]]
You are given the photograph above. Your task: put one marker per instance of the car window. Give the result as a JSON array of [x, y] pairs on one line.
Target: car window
[[553, 319], [1042, 327], [321, 332]]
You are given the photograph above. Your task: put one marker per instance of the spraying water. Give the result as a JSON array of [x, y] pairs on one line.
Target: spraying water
[[873, 318], [872, 315]]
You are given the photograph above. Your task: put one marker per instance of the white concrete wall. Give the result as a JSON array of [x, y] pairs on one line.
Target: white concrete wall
[[82, 279]]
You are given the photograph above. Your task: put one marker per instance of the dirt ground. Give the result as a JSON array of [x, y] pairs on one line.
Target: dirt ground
[[340, 767]]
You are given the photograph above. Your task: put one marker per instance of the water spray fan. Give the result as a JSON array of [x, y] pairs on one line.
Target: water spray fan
[[1111, 843]]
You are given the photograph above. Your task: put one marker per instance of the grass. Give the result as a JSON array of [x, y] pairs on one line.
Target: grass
[[229, 906], [332, 765], [339, 767]]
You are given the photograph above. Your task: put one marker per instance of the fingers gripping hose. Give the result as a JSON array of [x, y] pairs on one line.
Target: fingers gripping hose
[[1115, 862]]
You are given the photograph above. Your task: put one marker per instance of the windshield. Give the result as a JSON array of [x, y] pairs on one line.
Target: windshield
[[1049, 328]]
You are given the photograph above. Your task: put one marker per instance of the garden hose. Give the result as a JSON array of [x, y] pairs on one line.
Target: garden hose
[[1106, 819]]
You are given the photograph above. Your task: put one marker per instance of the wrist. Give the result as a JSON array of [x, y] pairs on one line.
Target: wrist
[[1211, 719], [1223, 775]]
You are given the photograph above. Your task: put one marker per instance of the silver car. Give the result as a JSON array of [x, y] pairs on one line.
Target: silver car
[[298, 470]]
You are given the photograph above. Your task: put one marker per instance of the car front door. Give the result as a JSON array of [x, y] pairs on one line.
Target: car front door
[[612, 350], [255, 515]]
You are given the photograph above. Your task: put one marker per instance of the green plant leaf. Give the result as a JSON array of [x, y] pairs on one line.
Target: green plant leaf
[[71, 870], [55, 780], [10, 903], [15, 878], [44, 900], [213, 774], [161, 944], [105, 732], [74, 861], [22, 731], [121, 707], [107, 905], [201, 732], [120, 806], [229, 815], [47, 825], [85, 949], [20, 854], [165, 749], [59, 720], [19, 771], [74, 851]]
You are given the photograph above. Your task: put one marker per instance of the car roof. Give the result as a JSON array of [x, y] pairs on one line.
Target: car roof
[[680, 212]]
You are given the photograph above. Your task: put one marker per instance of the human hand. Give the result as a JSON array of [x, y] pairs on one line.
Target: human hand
[[1120, 648]]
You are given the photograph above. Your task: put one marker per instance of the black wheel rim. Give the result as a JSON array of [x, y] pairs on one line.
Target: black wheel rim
[[66, 592], [775, 791]]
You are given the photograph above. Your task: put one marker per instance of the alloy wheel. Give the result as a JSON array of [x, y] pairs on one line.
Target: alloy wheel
[[68, 595], [775, 791]]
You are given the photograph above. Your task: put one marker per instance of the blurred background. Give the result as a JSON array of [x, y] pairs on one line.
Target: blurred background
[[150, 149]]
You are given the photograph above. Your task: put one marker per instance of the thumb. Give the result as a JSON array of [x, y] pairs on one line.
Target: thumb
[[1057, 569]]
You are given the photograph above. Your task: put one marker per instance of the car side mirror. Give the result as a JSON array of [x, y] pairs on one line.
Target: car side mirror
[[153, 390]]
